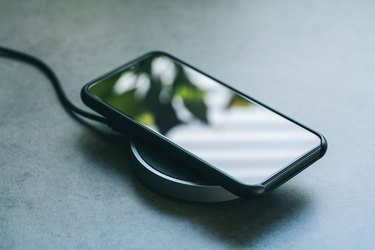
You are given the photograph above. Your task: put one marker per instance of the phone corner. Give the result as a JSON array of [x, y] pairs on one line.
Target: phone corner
[[84, 93], [153, 53], [323, 144], [251, 191]]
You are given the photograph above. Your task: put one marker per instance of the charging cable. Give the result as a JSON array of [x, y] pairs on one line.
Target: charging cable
[[65, 102]]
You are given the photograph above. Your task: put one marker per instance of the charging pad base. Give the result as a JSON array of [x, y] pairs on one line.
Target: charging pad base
[[173, 178]]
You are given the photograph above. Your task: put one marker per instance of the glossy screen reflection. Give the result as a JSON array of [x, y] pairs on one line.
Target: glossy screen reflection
[[225, 129]]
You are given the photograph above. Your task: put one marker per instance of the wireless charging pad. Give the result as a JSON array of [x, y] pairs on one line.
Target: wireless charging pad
[[175, 179]]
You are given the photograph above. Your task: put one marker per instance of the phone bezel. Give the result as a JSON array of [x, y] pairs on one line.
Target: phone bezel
[[136, 130]]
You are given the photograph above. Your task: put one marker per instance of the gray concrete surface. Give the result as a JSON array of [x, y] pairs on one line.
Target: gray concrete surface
[[63, 186]]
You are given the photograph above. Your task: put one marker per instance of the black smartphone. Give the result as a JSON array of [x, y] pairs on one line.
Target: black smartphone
[[229, 137]]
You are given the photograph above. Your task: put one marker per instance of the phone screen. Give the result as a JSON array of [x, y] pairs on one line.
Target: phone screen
[[218, 125]]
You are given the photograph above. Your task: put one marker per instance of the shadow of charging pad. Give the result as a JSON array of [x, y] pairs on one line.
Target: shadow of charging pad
[[175, 179]]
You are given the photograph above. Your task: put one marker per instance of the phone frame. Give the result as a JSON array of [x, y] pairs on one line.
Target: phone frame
[[137, 131]]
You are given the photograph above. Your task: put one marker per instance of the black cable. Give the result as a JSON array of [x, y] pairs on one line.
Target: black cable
[[66, 103]]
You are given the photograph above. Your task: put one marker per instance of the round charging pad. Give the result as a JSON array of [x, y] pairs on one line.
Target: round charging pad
[[175, 179]]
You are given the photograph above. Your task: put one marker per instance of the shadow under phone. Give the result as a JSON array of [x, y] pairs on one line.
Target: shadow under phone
[[236, 223]]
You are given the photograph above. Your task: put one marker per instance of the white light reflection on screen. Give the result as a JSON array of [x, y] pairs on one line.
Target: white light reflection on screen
[[253, 143], [124, 83], [250, 143]]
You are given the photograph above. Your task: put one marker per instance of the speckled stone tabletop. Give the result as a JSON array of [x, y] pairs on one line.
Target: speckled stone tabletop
[[65, 186]]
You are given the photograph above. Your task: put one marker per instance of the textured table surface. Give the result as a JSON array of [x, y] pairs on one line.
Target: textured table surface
[[63, 185]]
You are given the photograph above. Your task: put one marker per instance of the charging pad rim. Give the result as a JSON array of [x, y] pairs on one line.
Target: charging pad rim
[[174, 187]]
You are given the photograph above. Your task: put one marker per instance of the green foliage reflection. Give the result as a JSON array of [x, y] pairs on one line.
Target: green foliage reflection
[[160, 93]]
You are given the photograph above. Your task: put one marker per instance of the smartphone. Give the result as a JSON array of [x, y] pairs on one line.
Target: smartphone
[[183, 113]]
